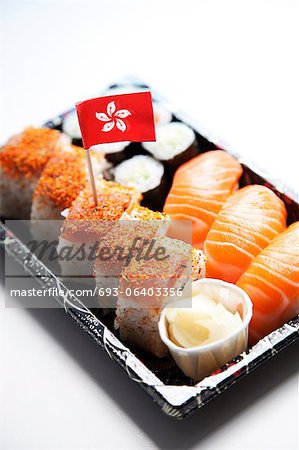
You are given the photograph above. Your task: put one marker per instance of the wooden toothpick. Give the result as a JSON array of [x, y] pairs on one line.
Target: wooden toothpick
[[91, 177]]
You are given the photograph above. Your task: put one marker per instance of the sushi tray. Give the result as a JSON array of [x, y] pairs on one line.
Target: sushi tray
[[237, 257]]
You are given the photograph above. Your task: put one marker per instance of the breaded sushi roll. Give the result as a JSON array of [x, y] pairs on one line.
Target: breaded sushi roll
[[147, 286], [86, 224], [22, 161], [137, 227], [61, 181], [139, 212]]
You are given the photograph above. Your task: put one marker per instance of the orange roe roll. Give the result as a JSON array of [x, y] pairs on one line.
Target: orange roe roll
[[22, 161], [63, 178]]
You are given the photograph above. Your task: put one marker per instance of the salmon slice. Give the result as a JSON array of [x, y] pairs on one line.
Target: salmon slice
[[246, 224], [272, 283], [200, 188]]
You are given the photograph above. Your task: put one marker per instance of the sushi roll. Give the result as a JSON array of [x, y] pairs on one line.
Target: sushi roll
[[86, 224], [161, 114], [22, 161], [137, 315], [71, 128], [130, 149], [137, 212], [175, 144], [64, 176], [137, 222], [147, 176], [115, 152]]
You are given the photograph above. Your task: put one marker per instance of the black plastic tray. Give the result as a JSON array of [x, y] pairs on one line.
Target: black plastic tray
[[174, 393]]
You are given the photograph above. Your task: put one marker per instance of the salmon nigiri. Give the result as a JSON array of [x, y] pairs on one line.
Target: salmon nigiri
[[200, 188], [246, 224], [272, 283]]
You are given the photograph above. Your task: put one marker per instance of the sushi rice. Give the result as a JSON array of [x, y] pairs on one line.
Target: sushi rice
[[141, 172], [148, 176], [172, 139]]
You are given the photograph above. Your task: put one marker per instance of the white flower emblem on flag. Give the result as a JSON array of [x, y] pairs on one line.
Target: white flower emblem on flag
[[113, 118]]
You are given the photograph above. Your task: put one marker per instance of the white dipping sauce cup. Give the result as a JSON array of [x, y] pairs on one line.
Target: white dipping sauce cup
[[198, 362]]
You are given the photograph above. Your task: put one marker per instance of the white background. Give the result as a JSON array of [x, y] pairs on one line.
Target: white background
[[233, 65]]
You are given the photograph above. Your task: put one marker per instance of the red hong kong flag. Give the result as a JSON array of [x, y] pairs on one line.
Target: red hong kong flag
[[115, 118]]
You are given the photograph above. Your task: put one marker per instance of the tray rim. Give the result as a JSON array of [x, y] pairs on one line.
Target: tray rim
[[176, 401]]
